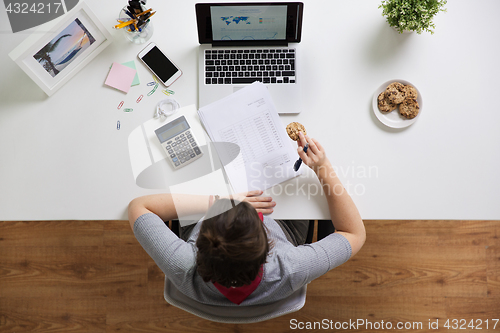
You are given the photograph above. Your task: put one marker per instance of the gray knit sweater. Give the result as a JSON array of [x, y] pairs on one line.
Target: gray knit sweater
[[288, 268]]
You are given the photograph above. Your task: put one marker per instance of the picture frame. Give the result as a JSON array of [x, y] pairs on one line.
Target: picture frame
[[57, 51]]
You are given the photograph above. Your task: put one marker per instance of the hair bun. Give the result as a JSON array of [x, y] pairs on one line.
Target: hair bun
[[216, 245]]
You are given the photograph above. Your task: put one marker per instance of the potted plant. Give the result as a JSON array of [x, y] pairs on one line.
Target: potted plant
[[412, 15]]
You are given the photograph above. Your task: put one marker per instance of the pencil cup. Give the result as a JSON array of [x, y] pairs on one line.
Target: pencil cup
[[136, 36]]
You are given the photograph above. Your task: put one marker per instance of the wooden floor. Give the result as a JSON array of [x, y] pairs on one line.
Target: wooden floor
[[93, 276]]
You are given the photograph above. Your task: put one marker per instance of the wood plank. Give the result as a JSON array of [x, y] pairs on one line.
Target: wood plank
[[118, 233], [53, 314], [51, 233], [493, 267], [473, 308], [50, 271], [126, 270], [432, 233], [418, 270], [72, 271]]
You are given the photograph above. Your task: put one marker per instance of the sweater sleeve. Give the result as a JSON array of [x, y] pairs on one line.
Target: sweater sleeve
[[174, 257], [308, 262]]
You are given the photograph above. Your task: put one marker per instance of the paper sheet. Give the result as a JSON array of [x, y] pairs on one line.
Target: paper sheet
[[120, 77], [131, 64], [249, 119]]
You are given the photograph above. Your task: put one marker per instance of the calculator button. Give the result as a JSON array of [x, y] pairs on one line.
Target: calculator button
[[172, 155], [192, 155], [177, 164], [177, 138], [182, 160], [168, 147], [182, 135], [193, 144], [191, 140], [174, 144], [187, 133], [197, 151], [175, 159], [188, 158]]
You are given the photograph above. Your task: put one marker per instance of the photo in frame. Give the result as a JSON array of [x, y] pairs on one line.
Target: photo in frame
[[52, 58]]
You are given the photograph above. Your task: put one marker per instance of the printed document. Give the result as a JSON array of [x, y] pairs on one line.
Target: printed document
[[249, 120]]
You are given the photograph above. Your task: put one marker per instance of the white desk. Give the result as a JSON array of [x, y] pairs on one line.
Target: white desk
[[63, 158]]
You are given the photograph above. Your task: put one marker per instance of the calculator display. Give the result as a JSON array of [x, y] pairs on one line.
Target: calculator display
[[172, 129]]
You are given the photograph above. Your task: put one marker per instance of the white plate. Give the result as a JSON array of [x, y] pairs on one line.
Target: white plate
[[394, 119]]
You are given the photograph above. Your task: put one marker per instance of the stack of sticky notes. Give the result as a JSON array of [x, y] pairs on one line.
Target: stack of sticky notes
[[121, 77]]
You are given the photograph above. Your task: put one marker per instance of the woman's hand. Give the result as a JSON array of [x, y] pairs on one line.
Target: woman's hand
[[263, 205], [315, 157]]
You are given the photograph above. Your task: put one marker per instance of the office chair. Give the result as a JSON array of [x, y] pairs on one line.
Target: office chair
[[235, 314]]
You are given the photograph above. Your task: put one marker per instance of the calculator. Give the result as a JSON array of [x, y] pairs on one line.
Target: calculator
[[179, 142]]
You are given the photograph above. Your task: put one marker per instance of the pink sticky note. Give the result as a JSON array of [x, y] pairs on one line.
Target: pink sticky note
[[120, 77]]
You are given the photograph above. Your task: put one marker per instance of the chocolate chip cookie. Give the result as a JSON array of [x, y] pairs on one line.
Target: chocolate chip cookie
[[410, 92], [409, 108], [394, 93], [293, 130], [384, 105]]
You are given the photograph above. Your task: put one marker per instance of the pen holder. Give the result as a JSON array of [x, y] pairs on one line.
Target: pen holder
[[136, 37]]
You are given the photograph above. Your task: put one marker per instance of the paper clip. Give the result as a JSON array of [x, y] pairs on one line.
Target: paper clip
[[156, 80], [139, 99], [120, 105], [154, 89], [128, 110], [151, 84], [118, 125], [168, 92]]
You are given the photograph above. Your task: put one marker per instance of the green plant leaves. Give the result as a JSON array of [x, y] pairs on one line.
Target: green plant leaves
[[415, 15]]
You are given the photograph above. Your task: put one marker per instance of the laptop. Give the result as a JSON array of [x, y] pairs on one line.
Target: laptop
[[245, 42]]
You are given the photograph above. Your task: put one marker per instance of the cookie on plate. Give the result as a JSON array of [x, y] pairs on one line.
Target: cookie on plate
[[410, 92], [293, 130], [395, 93], [384, 105], [409, 108]]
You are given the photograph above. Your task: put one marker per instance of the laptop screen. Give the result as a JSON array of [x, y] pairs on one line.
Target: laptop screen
[[249, 23]]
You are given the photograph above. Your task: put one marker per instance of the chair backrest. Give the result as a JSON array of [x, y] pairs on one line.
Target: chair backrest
[[235, 314]]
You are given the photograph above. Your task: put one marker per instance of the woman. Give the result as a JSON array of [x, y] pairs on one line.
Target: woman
[[232, 258]]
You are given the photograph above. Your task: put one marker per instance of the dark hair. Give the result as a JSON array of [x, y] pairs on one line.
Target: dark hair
[[232, 244]]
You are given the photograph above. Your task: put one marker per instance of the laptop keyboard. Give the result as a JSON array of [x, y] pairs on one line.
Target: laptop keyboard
[[273, 66]]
